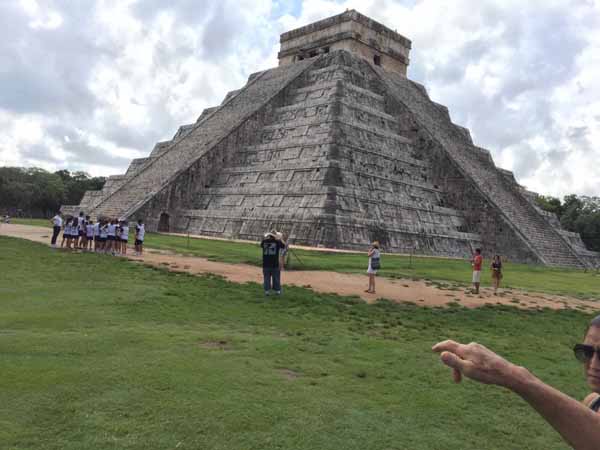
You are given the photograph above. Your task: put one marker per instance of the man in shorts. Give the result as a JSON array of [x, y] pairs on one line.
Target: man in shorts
[[477, 263]]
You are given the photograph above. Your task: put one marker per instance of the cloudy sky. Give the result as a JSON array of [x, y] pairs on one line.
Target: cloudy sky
[[88, 85]]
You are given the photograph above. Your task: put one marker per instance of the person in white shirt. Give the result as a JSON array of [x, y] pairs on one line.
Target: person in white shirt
[[56, 227], [374, 264], [111, 235], [103, 236], [124, 236], [74, 234], [89, 233], [67, 233], [80, 237], [140, 231], [82, 228], [96, 236]]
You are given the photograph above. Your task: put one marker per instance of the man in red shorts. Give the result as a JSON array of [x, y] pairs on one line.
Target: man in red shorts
[[477, 263]]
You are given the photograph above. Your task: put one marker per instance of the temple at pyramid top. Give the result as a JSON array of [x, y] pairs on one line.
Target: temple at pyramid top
[[350, 31]]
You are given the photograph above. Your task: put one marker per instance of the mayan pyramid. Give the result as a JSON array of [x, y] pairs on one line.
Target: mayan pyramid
[[337, 147]]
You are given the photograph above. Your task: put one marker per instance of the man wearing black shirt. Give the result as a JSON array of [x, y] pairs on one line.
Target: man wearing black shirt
[[271, 272]]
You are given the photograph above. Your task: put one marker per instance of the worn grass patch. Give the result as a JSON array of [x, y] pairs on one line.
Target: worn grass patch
[[101, 353]]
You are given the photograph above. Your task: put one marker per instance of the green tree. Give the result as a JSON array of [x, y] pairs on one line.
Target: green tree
[[39, 193], [572, 209], [550, 204]]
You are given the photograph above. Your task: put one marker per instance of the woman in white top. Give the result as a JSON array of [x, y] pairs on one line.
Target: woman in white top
[[67, 233], [111, 236], [374, 257], [96, 236], [124, 229], [89, 233], [103, 235]]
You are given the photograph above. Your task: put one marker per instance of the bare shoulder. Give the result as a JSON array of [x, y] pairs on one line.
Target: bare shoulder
[[591, 398]]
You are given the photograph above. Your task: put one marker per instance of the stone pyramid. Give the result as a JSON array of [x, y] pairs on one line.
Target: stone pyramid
[[337, 147]]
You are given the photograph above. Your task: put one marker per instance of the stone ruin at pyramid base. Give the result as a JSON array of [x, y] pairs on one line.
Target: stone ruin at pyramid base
[[336, 147]]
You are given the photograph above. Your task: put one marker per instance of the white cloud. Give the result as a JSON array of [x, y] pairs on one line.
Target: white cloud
[[97, 82]]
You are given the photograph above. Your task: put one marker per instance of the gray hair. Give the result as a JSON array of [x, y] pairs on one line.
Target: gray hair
[[595, 322]]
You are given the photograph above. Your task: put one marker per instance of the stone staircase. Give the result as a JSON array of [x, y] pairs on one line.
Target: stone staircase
[[551, 248], [193, 142]]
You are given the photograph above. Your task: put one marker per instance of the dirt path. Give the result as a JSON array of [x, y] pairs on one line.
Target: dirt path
[[402, 290]]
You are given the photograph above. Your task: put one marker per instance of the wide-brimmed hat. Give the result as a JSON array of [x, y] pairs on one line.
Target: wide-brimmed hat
[[375, 244]]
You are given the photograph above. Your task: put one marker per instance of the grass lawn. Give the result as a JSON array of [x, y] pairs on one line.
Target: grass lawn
[[102, 353], [576, 283]]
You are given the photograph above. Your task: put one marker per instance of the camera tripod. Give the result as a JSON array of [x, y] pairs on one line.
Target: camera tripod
[[288, 255]]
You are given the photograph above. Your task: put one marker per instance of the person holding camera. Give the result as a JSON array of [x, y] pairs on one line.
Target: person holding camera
[[374, 265], [271, 247]]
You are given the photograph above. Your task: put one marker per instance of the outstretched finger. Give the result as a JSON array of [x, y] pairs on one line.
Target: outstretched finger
[[456, 375], [453, 361], [448, 346]]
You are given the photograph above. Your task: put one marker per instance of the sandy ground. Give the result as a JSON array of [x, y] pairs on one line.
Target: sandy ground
[[400, 290]]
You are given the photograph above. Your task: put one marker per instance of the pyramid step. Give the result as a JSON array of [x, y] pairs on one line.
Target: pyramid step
[[363, 133], [296, 116], [205, 113], [344, 89], [313, 93], [183, 131], [339, 72]]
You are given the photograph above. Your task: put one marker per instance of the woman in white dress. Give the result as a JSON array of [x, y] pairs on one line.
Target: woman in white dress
[[374, 264]]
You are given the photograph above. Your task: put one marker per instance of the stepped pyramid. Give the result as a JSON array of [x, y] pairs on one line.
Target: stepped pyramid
[[337, 147]]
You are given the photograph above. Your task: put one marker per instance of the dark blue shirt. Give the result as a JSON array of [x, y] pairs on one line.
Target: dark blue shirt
[[270, 249]]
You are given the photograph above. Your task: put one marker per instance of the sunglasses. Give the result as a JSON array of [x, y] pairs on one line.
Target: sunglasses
[[584, 353]]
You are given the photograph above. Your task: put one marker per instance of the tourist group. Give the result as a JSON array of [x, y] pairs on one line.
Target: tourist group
[[109, 236]]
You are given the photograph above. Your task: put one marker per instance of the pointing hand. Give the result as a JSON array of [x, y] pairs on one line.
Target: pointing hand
[[476, 362]]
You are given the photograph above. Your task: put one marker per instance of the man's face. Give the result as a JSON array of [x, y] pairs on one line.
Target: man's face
[[592, 367]]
